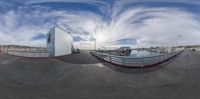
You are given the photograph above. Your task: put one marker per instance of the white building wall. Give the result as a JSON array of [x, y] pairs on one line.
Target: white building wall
[[61, 42]]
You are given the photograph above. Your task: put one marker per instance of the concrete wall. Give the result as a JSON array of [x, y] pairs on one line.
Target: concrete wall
[[22, 48], [24, 51]]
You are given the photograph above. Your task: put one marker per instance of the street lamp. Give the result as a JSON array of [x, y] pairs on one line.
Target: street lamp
[[180, 38], [95, 40], [81, 45], [95, 44]]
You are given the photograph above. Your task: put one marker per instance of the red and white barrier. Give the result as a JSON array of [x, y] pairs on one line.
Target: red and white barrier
[[1, 50]]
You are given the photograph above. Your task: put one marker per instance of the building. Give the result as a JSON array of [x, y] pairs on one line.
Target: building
[[59, 42], [22, 48]]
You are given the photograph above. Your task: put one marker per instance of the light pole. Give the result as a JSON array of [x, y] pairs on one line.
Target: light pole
[[180, 39], [95, 44], [81, 45], [177, 38], [95, 40]]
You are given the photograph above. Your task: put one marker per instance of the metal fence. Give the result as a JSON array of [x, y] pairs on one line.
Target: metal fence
[[135, 62], [34, 54]]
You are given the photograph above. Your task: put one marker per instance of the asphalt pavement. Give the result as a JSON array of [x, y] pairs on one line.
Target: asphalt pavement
[[56, 78]]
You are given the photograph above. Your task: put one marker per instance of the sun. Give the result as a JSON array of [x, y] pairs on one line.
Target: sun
[[100, 37]]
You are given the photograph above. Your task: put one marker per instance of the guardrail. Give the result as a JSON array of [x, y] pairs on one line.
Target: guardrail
[[31, 54], [135, 62]]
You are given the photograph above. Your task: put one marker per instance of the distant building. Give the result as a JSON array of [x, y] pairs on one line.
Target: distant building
[[22, 48], [59, 42]]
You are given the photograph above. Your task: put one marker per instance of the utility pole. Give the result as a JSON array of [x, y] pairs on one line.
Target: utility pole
[[95, 44], [180, 39], [95, 41], [81, 45], [176, 41]]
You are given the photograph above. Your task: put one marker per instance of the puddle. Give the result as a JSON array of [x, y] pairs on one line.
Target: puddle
[[97, 65]]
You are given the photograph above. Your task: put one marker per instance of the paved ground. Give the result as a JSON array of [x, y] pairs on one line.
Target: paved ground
[[56, 79], [81, 58]]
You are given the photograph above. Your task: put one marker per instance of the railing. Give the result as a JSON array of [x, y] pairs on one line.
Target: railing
[[33, 54], [135, 62]]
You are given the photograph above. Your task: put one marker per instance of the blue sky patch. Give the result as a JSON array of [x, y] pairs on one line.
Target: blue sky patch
[[77, 38], [127, 41], [38, 37]]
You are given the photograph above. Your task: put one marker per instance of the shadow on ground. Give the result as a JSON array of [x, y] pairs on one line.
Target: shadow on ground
[[80, 58], [23, 73]]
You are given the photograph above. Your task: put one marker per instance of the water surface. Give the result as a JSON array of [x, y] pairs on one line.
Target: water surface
[[138, 54]]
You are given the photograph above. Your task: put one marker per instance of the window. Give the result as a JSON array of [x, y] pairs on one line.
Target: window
[[49, 38]]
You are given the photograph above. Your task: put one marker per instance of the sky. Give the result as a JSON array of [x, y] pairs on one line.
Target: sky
[[113, 23]]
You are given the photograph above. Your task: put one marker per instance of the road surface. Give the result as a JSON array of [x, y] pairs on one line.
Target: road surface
[[80, 58], [22, 78]]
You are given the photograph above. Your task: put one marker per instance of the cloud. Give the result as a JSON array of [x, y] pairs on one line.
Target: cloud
[[146, 25], [126, 41]]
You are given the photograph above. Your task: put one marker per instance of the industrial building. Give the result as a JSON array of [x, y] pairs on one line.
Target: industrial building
[[59, 42]]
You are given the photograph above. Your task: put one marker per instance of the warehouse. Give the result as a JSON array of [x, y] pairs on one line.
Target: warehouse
[[59, 42]]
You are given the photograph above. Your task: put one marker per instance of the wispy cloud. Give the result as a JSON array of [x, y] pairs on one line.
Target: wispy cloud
[[145, 24]]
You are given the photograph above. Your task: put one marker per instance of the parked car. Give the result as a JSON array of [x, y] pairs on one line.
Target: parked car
[[75, 51], [124, 50]]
